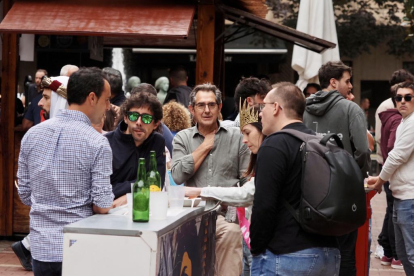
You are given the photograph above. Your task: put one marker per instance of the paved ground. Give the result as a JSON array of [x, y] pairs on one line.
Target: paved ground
[[378, 204], [10, 266]]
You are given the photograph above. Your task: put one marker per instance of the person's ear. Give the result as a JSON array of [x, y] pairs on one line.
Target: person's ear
[[93, 99], [277, 109], [333, 83], [191, 108], [220, 106], [250, 101], [156, 125]]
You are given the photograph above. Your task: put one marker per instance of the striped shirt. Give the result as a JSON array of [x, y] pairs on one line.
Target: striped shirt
[[64, 168]]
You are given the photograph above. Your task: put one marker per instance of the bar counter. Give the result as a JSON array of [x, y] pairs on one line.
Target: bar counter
[[113, 244]]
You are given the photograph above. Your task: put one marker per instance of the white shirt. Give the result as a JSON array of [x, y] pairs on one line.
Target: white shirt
[[399, 167]]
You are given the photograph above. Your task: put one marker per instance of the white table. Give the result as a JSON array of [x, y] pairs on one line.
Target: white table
[[115, 245]]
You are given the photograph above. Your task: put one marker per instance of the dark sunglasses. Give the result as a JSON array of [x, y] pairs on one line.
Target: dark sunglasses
[[399, 98], [134, 116]]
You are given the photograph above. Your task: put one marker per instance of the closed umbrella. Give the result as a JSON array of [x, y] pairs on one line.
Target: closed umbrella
[[316, 18]]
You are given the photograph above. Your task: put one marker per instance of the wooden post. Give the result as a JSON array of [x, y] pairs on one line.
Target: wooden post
[[205, 43], [219, 69], [8, 98]]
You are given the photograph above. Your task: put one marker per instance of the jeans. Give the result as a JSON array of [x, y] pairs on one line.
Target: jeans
[[47, 268], [247, 260], [312, 261], [403, 218], [369, 244], [387, 237], [347, 245]]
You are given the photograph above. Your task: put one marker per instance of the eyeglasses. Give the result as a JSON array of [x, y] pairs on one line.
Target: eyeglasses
[[134, 116], [202, 106], [262, 106], [399, 98]]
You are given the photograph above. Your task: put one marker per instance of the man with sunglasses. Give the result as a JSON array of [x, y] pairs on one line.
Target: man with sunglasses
[[209, 154], [328, 111], [398, 170], [388, 117], [134, 138]]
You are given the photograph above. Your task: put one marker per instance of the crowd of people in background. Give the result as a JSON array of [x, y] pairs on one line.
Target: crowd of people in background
[[242, 161]]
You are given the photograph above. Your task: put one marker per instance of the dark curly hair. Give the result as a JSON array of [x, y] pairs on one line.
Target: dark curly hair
[[143, 99]]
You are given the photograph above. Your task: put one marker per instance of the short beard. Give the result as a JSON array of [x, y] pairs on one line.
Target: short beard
[[45, 114]]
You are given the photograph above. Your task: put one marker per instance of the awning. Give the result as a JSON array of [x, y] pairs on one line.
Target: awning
[[237, 40], [194, 51], [283, 32], [100, 18]]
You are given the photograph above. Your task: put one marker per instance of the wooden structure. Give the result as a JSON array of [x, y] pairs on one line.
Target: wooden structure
[[122, 23]]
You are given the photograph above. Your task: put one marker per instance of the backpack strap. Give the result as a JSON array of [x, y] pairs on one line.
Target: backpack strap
[[295, 133], [304, 137], [327, 137], [292, 211]]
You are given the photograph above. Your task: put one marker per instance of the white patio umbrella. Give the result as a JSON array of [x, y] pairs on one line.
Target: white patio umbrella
[[316, 18]]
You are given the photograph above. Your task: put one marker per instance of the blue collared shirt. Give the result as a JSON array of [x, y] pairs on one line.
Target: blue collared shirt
[[64, 168]]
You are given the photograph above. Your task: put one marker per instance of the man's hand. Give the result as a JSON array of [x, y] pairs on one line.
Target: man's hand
[[120, 201], [375, 183], [192, 192], [99, 210], [117, 110], [209, 140]]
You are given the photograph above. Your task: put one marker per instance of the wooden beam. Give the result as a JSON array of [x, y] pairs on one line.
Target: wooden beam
[[8, 98], [278, 30], [219, 64], [205, 43]]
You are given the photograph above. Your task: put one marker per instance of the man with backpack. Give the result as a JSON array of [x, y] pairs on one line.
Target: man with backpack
[[280, 244], [328, 111]]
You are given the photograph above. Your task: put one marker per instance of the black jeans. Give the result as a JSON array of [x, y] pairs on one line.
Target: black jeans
[[387, 237], [46, 268], [347, 245]]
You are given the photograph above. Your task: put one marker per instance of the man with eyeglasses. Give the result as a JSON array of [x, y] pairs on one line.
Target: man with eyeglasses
[[328, 111], [134, 138], [280, 246], [209, 154], [398, 170]]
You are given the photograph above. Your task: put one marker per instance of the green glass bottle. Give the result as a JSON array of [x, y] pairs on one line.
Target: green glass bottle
[[141, 195], [153, 176]]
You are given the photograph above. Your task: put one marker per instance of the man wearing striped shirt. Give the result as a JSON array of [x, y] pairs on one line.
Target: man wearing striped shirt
[[64, 169]]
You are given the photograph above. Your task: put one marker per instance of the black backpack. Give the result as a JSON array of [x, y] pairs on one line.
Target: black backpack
[[333, 201]]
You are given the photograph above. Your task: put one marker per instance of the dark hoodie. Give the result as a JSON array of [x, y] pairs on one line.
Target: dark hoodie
[[181, 94], [126, 154], [329, 112], [390, 120]]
